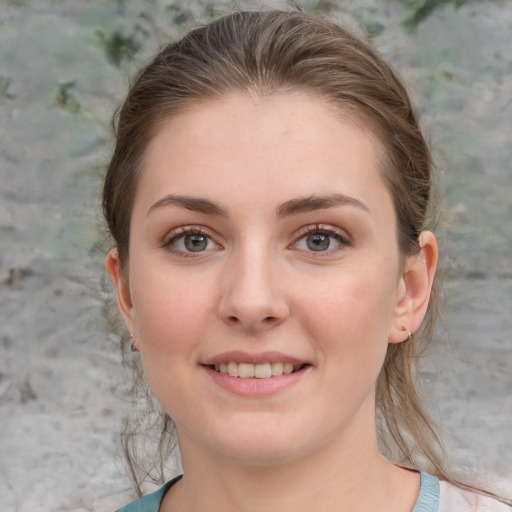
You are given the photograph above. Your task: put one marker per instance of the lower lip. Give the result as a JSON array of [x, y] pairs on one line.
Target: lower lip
[[256, 387]]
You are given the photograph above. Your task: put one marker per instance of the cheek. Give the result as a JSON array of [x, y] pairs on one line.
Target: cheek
[[359, 300], [351, 317], [171, 315], [171, 308]]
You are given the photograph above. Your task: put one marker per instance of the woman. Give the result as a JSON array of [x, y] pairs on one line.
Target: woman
[[269, 197]]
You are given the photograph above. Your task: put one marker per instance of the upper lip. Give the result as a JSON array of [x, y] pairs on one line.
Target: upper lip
[[253, 358]]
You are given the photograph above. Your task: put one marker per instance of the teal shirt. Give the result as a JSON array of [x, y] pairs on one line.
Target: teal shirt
[[151, 502], [428, 498]]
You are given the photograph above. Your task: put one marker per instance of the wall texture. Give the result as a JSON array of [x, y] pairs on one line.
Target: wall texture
[[64, 66]]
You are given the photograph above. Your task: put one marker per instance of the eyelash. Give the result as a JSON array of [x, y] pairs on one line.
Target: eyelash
[[321, 229], [182, 232]]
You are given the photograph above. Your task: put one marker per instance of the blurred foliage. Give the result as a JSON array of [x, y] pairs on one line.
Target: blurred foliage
[[64, 99], [422, 9], [319, 7], [119, 46], [324, 6], [5, 83], [417, 10], [179, 15], [370, 17], [213, 10]]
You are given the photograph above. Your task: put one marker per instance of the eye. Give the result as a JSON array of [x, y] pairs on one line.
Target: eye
[[190, 240], [321, 239], [318, 242]]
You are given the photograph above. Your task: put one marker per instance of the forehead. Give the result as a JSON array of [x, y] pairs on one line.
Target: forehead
[[288, 143]]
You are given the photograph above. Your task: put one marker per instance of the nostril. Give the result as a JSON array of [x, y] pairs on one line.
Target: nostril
[[267, 321]]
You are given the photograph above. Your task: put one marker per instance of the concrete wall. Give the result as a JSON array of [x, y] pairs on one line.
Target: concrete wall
[[64, 66]]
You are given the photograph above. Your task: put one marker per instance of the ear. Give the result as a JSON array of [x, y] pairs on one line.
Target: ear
[[414, 288], [122, 288]]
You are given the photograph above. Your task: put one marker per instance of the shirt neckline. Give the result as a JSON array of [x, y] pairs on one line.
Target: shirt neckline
[[427, 501], [428, 498]]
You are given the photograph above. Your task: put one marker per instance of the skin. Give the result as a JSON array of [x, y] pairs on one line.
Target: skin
[[258, 287]]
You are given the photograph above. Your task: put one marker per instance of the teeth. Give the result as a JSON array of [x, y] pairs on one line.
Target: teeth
[[287, 368], [233, 369], [277, 368], [245, 371], [260, 371]]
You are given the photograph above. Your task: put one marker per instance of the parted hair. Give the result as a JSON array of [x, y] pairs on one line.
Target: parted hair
[[277, 52]]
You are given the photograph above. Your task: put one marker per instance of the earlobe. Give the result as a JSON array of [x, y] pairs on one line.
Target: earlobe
[[121, 287], [414, 289]]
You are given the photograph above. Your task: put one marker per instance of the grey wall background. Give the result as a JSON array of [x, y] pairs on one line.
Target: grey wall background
[[64, 67]]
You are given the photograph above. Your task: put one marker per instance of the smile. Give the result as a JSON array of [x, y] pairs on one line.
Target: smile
[[258, 371]]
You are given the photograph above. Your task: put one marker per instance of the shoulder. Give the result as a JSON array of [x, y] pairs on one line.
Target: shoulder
[[453, 499], [151, 502]]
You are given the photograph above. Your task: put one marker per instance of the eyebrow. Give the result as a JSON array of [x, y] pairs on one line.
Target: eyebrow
[[196, 204], [312, 203], [287, 209]]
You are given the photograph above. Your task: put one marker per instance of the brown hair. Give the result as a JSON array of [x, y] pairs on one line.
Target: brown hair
[[276, 52]]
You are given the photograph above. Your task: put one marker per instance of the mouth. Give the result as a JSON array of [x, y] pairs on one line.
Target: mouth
[[256, 371]]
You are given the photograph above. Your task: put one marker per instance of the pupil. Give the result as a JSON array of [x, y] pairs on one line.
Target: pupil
[[195, 243], [318, 242]]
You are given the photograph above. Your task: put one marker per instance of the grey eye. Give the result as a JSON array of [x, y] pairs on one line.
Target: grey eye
[[190, 242], [318, 242], [195, 243]]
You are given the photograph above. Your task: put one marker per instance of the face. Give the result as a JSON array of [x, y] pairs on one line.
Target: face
[[264, 279]]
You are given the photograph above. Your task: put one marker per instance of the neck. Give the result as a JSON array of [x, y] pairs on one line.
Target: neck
[[340, 477]]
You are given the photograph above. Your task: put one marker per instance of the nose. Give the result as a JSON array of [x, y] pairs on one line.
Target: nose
[[253, 297]]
